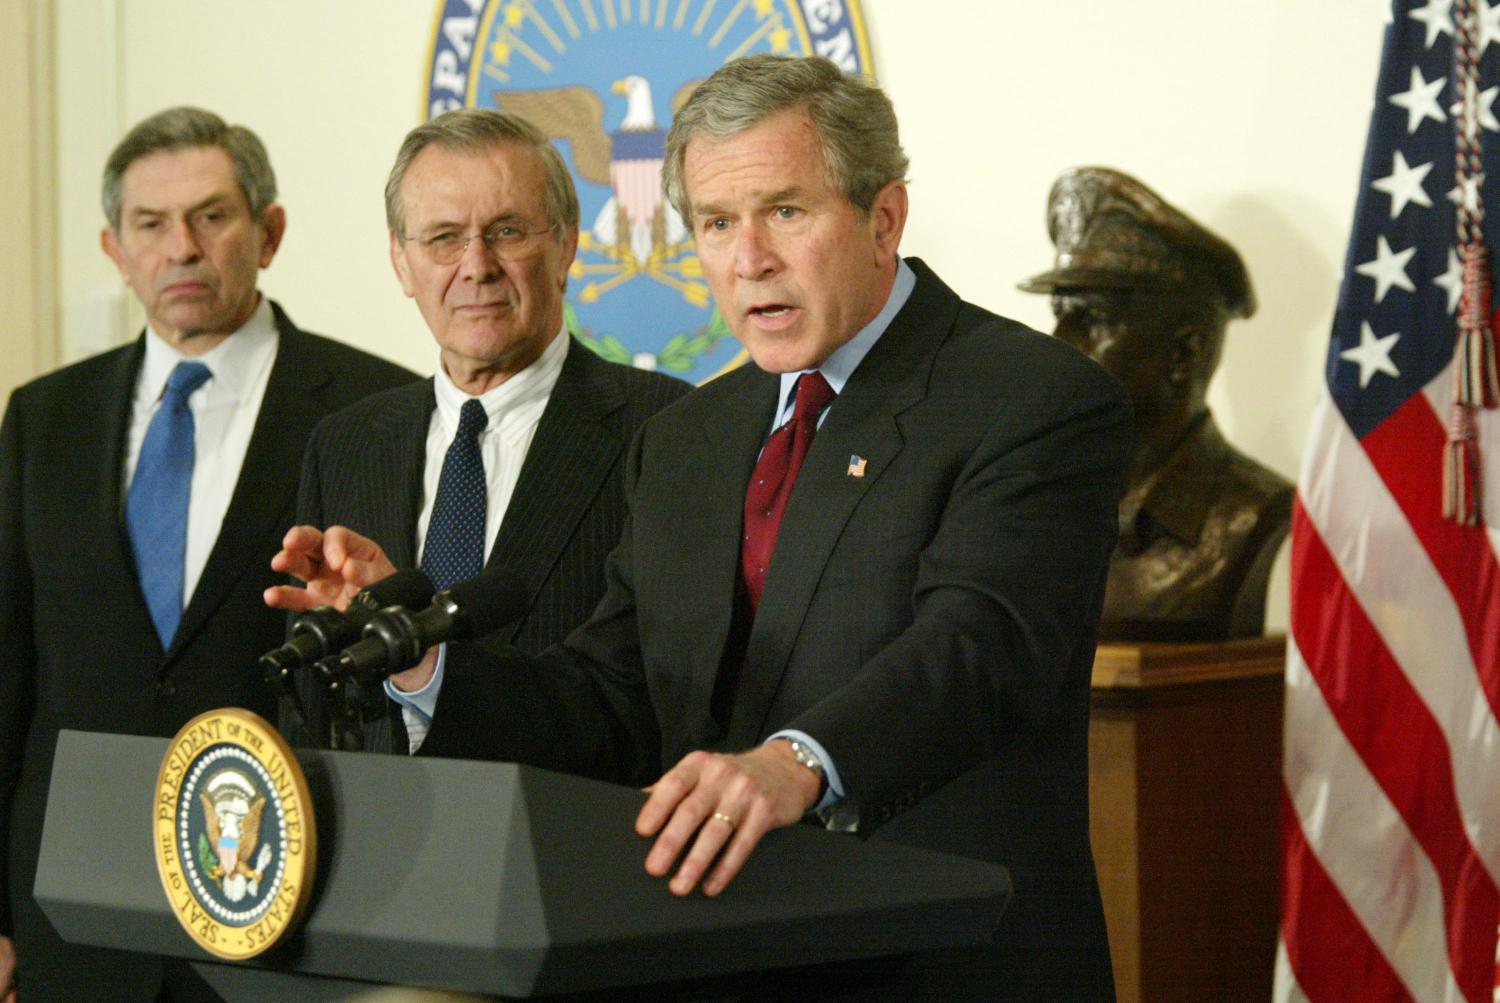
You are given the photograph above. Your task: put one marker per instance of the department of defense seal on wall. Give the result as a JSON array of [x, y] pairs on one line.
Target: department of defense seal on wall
[[234, 833], [602, 79]]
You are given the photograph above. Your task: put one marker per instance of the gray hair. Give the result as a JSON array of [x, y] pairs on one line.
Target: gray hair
[[854, 120], [474, 130], [177, 128]]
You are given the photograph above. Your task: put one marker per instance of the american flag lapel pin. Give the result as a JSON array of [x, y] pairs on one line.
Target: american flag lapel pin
[[856, 466]]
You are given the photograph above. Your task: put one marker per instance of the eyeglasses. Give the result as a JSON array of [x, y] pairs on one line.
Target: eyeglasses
[[503, 239]]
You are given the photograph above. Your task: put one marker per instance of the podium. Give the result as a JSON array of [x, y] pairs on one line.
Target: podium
[[494, 878], [1185, 807]]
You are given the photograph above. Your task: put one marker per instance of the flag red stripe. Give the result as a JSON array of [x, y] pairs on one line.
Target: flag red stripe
[[1327, 947], [1399, 740], [1407, 452], [1355, 832]]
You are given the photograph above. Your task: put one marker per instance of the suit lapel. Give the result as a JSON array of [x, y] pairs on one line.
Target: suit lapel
[[391, 492], [864, 423], [105, 466], [708, 497], [268, 478], [570, 456]]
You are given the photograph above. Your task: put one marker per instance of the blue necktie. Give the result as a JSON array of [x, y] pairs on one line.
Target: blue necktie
[[156, 507], [454, 549]]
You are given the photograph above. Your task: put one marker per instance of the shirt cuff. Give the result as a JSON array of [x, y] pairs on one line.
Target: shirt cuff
[[835, 792], [418, 706]]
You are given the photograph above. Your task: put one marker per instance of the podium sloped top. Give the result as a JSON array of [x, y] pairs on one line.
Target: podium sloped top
[[498, 878]]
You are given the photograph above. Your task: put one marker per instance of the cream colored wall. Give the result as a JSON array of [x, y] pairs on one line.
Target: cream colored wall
[[1251, 116], [330, 87], [28, 273]]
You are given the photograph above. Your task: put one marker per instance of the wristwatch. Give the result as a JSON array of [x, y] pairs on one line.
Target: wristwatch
[[808, 758]]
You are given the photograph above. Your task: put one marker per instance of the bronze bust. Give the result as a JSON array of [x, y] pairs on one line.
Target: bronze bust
[[1147, 292]]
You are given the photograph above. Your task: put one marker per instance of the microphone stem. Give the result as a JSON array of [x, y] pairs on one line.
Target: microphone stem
[[279, 674], [346, 725]]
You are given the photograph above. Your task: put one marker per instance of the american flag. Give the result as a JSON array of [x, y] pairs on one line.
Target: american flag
[[1391, 807]]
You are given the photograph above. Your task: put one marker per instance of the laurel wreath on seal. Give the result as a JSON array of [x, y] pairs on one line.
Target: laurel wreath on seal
[[207, 858], [677, 355]]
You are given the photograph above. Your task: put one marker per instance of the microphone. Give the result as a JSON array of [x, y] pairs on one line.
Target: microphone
[[324, 630], [395, 638]]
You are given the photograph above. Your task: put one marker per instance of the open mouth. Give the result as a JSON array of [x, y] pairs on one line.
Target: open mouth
[[771, 310]]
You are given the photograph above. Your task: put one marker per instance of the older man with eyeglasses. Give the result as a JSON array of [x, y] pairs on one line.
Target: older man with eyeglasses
[[512, 453]]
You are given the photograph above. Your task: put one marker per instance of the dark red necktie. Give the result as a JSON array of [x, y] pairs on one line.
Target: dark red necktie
[[771, 483]]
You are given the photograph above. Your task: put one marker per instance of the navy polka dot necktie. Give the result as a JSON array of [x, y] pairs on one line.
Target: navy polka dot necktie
[[454, 549], [156, 506]]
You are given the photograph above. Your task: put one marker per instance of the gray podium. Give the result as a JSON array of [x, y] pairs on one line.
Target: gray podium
[[494, 878]]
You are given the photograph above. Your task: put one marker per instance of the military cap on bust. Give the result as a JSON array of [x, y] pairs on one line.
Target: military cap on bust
[[1112, 232]]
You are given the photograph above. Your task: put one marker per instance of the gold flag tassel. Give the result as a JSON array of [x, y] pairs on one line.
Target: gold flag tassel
[[1474, 386], [1474, 383], [1477, 385], [1461, 474]]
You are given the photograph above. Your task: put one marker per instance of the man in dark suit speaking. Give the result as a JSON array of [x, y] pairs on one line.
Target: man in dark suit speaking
[[142, 495], [483, 221], [860, 578]]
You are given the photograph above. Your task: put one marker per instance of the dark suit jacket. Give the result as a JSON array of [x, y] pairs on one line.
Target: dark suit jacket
[[364, 471], [77, 647], [931, 622]]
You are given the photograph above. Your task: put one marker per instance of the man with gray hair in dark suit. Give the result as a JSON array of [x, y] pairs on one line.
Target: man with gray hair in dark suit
[[513, 452], [860, 579], [142, 494]]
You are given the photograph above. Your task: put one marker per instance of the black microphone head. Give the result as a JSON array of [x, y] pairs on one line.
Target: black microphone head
[[408, 587], [486, 602]]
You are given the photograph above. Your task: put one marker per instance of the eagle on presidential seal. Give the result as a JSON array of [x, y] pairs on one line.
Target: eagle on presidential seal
[[232, 810]]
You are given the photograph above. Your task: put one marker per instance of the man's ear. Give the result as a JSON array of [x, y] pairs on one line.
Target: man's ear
[[110, 242], [888, 218], [569, 251], [399, 263], [272, 228]]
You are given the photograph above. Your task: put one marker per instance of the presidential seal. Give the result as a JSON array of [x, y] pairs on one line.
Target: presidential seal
[[602, 79], [234, 833]]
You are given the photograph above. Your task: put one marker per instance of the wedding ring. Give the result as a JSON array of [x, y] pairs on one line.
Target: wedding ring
[[724, 818]]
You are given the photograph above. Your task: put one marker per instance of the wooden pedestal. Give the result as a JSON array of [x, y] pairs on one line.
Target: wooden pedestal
[[1185, 787]]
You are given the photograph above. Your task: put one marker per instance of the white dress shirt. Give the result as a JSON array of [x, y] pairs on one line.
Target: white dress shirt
[[224, 411], [514, 409]]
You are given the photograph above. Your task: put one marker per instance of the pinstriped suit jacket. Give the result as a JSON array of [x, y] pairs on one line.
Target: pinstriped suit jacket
[[364, 470]]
